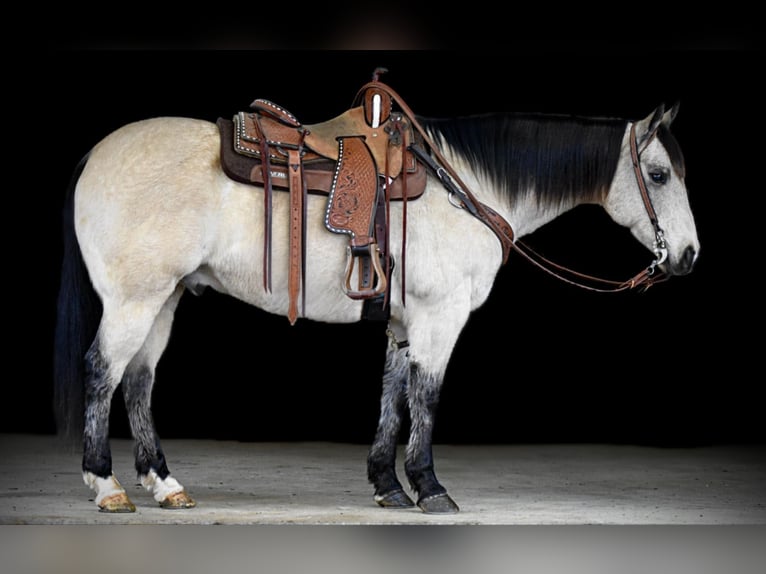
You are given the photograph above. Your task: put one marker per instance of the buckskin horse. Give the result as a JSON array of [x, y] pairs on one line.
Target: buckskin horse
[[338, 222]]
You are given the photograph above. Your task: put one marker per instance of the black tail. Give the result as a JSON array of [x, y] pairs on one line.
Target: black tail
[[79, 312]]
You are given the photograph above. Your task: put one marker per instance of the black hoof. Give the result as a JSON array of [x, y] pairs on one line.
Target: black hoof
[[394, 499], [438, 504]]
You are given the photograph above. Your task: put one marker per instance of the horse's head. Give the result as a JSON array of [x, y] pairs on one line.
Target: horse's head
[[648, 194]]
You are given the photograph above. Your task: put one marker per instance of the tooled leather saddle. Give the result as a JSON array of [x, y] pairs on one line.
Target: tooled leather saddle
[[358, 159], [361, 160]]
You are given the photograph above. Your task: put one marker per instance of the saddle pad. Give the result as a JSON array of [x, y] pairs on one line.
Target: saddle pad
[[247, 168]]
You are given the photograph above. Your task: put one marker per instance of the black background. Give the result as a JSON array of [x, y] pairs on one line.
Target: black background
[[541, 361]]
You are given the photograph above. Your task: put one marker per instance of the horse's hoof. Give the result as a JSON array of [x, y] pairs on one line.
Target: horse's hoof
[[438, 504], [178, 500], [116, 503], [394, 499]]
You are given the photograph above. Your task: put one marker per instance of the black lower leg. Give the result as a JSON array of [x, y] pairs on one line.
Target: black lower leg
[[419, 464], [137, 387], [420, 472], [97, 456], [381, 461]]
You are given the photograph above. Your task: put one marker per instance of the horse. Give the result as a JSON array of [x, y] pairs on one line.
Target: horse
[[147, 219]]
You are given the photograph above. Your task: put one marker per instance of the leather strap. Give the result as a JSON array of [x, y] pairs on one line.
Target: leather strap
[[482, 212], [398, 126], [635, 158], [267, 195], [296, 281]]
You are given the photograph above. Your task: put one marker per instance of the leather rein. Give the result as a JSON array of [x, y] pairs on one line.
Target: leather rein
[[457, 189]]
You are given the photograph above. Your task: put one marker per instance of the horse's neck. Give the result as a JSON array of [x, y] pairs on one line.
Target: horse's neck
[[524, 213]]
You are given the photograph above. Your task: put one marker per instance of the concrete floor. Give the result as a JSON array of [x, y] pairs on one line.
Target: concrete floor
[[307, 507], [325, 483]]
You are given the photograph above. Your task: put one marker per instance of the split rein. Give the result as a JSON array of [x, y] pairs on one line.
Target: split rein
[[456, 188]]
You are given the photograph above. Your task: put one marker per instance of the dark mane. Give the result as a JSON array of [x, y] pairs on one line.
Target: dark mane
[[668, 140], [563, 158]]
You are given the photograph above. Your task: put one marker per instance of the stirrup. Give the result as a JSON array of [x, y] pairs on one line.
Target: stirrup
[[381, 283]]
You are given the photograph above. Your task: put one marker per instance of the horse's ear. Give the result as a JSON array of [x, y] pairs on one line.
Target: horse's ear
[[646, 128], [670, 115]]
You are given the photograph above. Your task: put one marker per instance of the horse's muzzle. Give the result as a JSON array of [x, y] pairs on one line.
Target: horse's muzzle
[[683, 265]]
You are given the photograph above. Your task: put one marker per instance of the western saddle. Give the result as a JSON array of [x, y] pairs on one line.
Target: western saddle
[[361, 160]]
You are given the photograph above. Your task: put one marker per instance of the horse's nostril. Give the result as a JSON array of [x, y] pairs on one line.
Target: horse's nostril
[[687, 260]]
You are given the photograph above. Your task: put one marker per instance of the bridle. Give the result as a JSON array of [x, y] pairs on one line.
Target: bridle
[[660, 247]]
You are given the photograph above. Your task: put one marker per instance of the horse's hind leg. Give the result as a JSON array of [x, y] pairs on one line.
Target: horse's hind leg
[[381, 469], [97, 457], [121, 333], [137, 383]]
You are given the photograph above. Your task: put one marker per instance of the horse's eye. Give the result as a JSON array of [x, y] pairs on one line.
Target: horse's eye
[[659, 177]]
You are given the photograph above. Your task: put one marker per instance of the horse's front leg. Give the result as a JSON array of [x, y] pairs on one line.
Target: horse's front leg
[[381, 462], [433, 331], [423, 394]]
